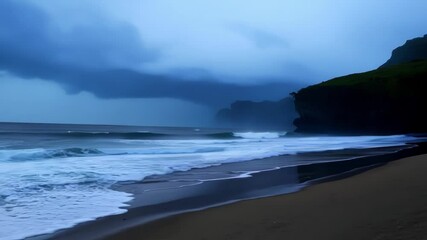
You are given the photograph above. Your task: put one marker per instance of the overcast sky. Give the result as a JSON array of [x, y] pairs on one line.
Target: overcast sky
[[168, 62]]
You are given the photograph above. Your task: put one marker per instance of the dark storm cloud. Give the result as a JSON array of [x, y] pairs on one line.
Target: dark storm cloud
[[98, 57], [30, 42], [128, 83]]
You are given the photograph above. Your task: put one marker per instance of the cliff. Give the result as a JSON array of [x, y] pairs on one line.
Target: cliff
[[266, 115], [388, 100], [413, 50]]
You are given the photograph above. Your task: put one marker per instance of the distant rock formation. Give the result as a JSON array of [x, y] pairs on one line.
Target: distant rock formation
[[266, 115], [412, 50]]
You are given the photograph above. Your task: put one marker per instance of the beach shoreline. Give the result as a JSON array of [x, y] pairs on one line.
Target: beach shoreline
[[383, 203], [108, 227]]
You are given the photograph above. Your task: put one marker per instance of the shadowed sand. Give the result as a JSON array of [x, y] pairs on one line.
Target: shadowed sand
[[389, 202]]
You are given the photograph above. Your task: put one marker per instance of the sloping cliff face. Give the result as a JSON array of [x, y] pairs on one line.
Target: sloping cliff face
[[412, 50], [266, 115], [388, 100]]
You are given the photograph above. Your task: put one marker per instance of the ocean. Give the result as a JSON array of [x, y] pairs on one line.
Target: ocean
[[54, 176]]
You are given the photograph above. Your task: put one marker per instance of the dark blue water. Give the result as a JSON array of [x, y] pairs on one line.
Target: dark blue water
[[55, 176]]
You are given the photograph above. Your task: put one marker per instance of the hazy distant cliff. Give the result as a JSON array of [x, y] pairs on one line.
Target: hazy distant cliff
[[267, 115], [412, 50], [391, 99]]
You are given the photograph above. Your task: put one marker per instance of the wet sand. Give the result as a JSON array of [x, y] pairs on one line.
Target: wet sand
[[389, 202]]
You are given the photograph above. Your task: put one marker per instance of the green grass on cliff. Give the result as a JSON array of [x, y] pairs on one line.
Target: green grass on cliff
[[388, 100], [394, 73]]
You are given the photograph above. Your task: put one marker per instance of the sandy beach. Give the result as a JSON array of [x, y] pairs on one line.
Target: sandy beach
[[383, 203]]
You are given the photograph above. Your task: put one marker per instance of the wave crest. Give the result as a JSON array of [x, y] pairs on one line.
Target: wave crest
[[37, 154], [259, 135]]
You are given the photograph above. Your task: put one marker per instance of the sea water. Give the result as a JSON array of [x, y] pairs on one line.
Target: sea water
[[55, 176]]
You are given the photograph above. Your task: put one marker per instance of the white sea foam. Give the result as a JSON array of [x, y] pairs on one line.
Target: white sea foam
[[259, 135], [44, 191]]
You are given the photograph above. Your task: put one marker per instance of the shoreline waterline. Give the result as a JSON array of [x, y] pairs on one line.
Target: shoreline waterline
[[263, 183], [387, 202]]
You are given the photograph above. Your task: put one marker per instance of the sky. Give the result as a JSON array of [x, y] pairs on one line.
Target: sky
[[168, 62]]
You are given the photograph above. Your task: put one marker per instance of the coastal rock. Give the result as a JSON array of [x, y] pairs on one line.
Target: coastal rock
[[388, 100], [412, 50], [266, 115]]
